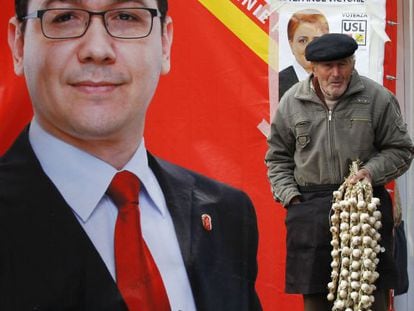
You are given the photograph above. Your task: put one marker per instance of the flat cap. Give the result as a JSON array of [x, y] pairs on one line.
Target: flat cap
[[330, 46]]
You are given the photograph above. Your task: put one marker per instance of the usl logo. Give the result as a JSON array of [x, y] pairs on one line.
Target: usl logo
[[357, 29]]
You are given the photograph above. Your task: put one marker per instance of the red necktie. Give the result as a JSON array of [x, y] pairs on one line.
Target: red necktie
[[138, 278]]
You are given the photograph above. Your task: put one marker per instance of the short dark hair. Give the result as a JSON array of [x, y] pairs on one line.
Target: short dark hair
[[21, 8]]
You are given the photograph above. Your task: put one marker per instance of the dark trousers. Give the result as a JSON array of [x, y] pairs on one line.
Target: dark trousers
[[318, 302]]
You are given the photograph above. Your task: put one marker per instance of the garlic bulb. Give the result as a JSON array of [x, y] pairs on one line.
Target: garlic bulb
[[355, 221]]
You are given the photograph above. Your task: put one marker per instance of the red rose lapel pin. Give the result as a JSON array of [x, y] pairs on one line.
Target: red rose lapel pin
[[206, 221]]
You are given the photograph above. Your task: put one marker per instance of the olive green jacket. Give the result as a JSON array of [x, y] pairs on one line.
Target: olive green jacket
[[311, 145]]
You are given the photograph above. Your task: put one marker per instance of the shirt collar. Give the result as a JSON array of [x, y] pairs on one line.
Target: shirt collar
[[300, 71], [81, 178]]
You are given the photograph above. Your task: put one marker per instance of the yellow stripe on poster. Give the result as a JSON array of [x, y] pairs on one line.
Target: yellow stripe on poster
[[244, 28]]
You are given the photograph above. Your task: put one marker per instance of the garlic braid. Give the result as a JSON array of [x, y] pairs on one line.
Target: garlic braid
[[355, 222]]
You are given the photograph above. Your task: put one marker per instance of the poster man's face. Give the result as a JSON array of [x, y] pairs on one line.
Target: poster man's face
[[304, 34], [95, 87], [334, 76]]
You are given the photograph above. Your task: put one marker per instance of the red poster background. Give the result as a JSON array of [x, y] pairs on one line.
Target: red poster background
[[204, 117]]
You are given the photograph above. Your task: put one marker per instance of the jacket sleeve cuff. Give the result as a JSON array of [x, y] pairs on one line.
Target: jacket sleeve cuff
[[375, 178], [290, 195]]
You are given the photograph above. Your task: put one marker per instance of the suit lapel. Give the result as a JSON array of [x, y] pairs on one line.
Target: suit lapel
[[177, 186], [51, 229]]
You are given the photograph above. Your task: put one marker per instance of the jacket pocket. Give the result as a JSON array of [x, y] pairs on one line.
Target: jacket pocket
[[302, 133], [361, 133]]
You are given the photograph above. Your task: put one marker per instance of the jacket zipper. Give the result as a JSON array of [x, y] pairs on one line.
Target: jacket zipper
[[331, 142]]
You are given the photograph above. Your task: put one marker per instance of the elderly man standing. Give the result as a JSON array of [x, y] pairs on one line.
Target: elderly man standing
[[323, 124]]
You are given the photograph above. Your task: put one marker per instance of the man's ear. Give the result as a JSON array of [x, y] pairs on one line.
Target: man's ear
[[166, 41], [16, 44]]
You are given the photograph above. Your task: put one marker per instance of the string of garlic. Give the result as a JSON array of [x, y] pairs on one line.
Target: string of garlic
[[355, 222]]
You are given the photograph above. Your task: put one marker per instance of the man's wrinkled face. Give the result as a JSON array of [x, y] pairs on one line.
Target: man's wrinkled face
[[95, 87], [334, 76]]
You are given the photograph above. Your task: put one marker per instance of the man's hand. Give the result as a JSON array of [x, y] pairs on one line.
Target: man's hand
[[360, 175], [295, 200]]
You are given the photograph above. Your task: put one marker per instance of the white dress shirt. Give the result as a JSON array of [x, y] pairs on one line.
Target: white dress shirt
[[83, 179]]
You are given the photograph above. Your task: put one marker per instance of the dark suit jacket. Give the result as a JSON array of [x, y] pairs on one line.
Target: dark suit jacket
[[287, 78], [47, 261]]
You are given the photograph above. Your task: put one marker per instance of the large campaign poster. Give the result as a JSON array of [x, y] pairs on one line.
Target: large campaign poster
[[211, 112]]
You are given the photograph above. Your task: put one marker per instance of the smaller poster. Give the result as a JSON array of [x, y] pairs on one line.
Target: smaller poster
[[300, 21]]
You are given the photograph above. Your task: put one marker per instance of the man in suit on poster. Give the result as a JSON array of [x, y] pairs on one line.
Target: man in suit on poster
[[78, 187]]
